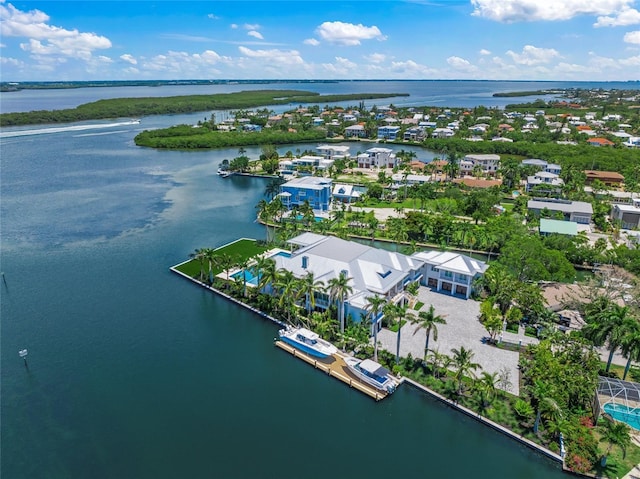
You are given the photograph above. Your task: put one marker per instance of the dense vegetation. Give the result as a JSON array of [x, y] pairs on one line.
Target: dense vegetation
[[136, 107]]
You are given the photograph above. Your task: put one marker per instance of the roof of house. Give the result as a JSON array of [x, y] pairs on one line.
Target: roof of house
[[454, 262], [563, 206], [308, 182], [560, 227], [345, 190], [370, 270], [477, 182], [608, 175], [600, 141]]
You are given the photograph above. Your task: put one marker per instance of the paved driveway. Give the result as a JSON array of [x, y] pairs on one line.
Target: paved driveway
[[462, 329]]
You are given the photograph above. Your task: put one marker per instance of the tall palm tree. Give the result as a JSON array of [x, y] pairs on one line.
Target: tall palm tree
[[438, 360], [486, 386], [339, 289], [400, 313], [609, 327], [288, 287], [428, 320], [266, 271], [375, 304], [200, 256], [631, 347], [463, 364], [226, 262], [309, 287]]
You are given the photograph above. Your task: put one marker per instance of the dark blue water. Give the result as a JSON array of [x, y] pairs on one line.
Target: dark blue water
[[134, 372]]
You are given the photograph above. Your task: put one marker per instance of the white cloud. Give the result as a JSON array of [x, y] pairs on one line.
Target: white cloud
[[185, 38], [233, 26], [460, 64], [11, 61], [533, 55], [631, 61], [129, 59], [341, 67], [348, 33], [45, 39], [251, 26], [554, 10], [184, 63], [484, 52], [411, 69], [375, 57], [311, 41], [283, 57], [213, 17], [623, 18], [632, 37], [255, 34]]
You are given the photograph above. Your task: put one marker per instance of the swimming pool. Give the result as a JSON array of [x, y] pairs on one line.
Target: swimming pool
[[250, 276], [623, 413], [284, 254]]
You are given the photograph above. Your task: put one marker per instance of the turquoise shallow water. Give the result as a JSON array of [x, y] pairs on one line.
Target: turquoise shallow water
[[134, 372]]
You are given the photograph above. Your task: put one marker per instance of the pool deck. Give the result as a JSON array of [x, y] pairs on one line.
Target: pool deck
[[335, 367]]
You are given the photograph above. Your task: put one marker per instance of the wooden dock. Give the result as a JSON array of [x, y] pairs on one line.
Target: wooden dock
[[336, 367]]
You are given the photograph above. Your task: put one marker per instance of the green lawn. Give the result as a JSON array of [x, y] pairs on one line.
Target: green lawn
[[618, 463], [241, 250]]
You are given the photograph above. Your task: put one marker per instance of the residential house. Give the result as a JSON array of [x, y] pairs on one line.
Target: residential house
[[416, 133], [355, 131], [489, 163], [333, 152], [549, 226], [345, 193], [627, 215], [609, 178], [315, 190], [443, 133], [371, 271], [578, 211], [450, 273], [551, 180], [599, 142], [388, 132], [377, 158]]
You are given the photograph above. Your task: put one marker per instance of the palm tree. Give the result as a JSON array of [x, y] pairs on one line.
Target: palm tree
[[226, 262], [486, 386], [375, 304], [609, 326], [615, 433], [309, 287], [464, 366], [400, 313], [266, 271], [339, 288], [631, 347], [288, 287], [428, 320], [439, 361], [200, 256]]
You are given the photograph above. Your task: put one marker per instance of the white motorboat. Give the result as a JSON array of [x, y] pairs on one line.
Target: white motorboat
[[308, 342], [372, 373]]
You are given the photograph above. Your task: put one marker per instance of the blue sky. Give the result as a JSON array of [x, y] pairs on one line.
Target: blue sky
[[306, 39]]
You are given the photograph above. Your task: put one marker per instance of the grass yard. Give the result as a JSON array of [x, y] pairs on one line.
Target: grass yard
[[240, 250]]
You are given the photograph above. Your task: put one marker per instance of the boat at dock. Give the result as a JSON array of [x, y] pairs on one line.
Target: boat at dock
[[308, 342], [372, 373]]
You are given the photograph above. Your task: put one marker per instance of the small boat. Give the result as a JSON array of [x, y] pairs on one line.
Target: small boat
[[372, 373], [308, 342], [225, 173]]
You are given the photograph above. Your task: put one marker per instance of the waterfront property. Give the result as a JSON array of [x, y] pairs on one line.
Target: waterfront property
[[345, 193], [488, 164], [627, 215], [388, 132], [377, 158], [551, 181], [333, 152], [370, 271], [312, 189], [449, 272]]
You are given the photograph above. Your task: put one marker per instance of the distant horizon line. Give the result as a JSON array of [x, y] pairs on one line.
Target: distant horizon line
[[300, 80]]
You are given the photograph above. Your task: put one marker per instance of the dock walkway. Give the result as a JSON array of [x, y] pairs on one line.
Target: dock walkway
[[335, 367]]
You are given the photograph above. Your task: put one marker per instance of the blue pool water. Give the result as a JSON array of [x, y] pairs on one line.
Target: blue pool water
[[623, 413], [250, 277], [284, 254]]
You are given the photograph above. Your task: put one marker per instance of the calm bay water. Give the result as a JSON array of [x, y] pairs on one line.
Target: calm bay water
[[135, 373]]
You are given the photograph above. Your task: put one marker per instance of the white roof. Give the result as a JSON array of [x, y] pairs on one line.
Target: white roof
[[371, 270], [561, 205], [373, 368], [337, 148], [454, 262], [309, 182], [379, 150]]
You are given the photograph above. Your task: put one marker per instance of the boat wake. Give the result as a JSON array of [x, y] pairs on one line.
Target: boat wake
[[45, 131]]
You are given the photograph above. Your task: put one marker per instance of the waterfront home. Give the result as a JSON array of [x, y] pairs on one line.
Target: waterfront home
[[542, 165], [333, 152], [627, 215], [416, 133], [400, 179], [312, 189], [489, 163], [450, 273], [388, 132], [578, 211], [355, 131], [371, 271], [443, 133], [377, 158]]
